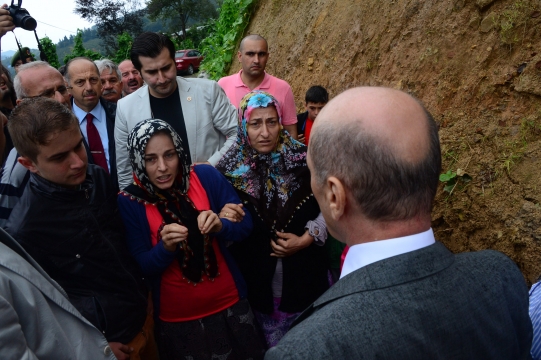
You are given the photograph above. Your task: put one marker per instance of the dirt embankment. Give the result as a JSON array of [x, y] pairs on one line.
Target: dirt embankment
[[476, 64]]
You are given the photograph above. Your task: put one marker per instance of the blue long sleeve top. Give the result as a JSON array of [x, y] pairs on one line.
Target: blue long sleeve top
[[153, 260]]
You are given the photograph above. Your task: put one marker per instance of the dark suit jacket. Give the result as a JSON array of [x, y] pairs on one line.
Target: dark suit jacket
[[110, 114], [426, 304], [301, 120]]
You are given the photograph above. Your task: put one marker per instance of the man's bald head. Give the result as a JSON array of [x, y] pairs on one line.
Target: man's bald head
[[384, 146], [253, 37]]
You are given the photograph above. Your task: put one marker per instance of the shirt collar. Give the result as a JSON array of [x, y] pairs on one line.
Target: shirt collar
[[81, 114], [265, 84], [365, 254]]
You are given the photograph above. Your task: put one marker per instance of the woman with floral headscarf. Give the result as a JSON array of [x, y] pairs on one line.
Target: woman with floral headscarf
[[177, 238], [283, 262]]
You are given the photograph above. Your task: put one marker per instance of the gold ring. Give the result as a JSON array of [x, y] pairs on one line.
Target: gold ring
[[226, 214]]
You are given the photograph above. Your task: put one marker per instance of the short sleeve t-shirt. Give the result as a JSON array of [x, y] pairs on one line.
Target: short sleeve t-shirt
[[169, 109], [235, 90]]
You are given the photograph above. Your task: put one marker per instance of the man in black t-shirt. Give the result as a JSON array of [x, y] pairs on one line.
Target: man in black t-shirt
[[197, 109]]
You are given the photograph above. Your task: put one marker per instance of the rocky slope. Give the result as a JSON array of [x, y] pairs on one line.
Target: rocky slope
[[476, 65]]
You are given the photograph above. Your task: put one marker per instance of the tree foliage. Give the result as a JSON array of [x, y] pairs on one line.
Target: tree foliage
[[124, 42], [220, 47], [79, 49], [194, 36], [112, 17], [49, 48], [177, 13]]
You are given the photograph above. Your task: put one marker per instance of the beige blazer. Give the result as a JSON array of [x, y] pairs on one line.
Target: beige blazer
[[211, 122]]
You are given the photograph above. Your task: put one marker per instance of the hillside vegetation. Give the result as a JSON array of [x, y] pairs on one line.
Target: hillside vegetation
[[475, 64]]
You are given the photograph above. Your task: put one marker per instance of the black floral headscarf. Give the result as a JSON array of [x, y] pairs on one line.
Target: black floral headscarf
[[195, 255], [137, 144]]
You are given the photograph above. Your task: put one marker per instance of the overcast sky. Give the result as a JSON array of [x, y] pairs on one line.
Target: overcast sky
[[56, 19]]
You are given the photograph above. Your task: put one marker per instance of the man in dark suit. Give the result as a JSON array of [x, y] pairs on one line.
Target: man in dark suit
[[96, 115], [375, 159]]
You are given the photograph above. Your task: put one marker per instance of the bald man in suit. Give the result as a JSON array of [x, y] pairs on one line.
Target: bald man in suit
[[375, 158]]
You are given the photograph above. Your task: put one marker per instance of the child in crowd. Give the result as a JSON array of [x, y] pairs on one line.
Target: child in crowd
[[315, 99]]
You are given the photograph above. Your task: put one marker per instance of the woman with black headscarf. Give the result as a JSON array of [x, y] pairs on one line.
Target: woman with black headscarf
[[177, 238]]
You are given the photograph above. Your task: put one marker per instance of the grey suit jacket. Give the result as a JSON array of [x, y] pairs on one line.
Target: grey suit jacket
[[211, 122], [37, 321], [426, 304]]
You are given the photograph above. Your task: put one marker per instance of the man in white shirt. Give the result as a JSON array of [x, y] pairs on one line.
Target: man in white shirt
[[96, 116], [401, 295]]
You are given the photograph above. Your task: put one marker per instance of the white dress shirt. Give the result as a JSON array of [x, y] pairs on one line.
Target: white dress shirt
[[367, 253], [100, 122]]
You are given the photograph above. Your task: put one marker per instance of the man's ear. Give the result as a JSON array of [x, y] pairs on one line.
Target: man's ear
[[27, 163], [335, 193], [18, 101], [239, 55]]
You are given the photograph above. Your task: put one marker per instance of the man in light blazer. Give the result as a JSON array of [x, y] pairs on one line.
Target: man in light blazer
[[197, 109], [375, 160]]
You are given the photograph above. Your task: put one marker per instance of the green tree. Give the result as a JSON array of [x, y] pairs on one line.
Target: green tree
[[79, 49], [124, 42], [177, 13], [219, 48], [112, 17], [49, 48]]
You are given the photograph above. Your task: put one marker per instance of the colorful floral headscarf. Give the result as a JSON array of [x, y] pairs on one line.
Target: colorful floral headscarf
[[271, 179]]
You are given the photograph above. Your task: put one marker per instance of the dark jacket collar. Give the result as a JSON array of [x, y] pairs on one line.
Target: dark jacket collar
[[50, 189], [391, 272], [386, 273]]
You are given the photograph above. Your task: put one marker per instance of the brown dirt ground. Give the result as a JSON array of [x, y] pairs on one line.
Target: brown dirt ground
[[476, 67]]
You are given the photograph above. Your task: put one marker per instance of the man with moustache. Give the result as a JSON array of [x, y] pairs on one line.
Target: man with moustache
[[96, 116], [111, 86], [131, 78], [68, 221], [35, 79]]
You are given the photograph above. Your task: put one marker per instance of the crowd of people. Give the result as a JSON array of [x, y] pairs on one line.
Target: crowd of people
[[150, 216]]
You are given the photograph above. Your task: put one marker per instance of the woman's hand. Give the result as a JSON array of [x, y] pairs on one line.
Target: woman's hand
[[209, 222], [288, 244], [232, 212], [172, 234]]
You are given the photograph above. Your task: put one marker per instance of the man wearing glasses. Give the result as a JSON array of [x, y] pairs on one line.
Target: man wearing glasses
[[96, 116], [35, 79]]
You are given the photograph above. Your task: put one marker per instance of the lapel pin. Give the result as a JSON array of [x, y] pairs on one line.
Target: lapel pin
[[189, 98]]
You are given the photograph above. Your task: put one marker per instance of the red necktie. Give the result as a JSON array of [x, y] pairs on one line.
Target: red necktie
[[94, 143]]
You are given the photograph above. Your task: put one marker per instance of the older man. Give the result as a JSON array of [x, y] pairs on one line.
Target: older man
[[35, 79], [96, 116], [253, 55], [111, 86], [375, 159], [131, 77]]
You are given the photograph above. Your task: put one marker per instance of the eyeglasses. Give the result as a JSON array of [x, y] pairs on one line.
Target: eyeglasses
[[50, 93]]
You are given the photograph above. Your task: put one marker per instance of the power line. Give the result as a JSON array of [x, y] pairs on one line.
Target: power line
[[73, 32]]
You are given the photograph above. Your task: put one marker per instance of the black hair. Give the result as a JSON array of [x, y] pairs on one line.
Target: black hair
[[317, 94], [150, 44]]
